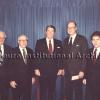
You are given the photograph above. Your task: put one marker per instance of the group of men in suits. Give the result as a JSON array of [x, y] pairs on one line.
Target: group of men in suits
[[74, 65], [16, 69], [48, 67], [92, 76], [75, 46], [5, 64], [75, 62]]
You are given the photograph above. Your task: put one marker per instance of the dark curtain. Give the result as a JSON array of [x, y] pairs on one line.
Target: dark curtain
[[31, 17]]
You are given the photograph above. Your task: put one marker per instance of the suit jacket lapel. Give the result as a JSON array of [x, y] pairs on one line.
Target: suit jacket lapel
[[45, 45], [55, 45], [92, 55], [98, 57], [4, 49], [5, 52], [67, 40], [28, 53], [20, 55], [76, 40]]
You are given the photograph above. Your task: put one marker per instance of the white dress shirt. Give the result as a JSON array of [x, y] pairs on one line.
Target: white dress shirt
[[21, 50], [52, 43], [73, 38], [2, 49], [97, 52]]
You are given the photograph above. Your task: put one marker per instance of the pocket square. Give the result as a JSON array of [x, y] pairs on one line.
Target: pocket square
[[58, 47], [77, 45]]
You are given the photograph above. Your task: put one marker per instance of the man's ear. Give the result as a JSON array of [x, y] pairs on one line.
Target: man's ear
[[76, 28], [45, 34], [18, 41]]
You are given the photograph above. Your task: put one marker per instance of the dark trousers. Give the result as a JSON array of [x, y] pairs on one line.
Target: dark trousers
[[47, 88], [73, 89], [93, 92], [4, 92], [22, 91]]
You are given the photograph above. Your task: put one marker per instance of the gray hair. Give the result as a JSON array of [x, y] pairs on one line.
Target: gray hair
[[22, 35]]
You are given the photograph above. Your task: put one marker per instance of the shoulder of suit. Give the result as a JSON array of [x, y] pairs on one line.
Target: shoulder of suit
[[90, 49], [15, 49], [65, 39], [43, 39], [7, 46], [29, 48], [81, 37], [57, 40]]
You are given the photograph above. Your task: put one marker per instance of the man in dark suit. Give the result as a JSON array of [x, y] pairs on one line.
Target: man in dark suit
[[74, 47], [48, 65], [93, 69], [5, 64], [22, 71]]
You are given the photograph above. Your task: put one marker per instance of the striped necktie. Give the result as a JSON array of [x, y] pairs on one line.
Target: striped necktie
[[24, 56]]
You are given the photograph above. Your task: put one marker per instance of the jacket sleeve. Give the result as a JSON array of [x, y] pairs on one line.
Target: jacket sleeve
[[84, 49]]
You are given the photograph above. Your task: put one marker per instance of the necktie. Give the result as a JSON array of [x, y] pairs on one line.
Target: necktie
[[24, 56], [94, 56], [50, 47], [70, 42]]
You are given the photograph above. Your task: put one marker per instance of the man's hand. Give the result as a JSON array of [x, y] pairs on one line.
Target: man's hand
[[33, 80], [13, 84], [81, 74], [60, 72], [84, 81], [37, 72], [63, 72]]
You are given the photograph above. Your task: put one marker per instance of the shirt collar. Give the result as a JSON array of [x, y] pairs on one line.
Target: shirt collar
[[49, 39], [21, 48], [73, 36], [2, 46], [98, 49]]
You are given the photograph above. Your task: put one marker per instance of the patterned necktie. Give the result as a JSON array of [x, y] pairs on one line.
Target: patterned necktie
[[24, 56], [94, 56], [50, 47]]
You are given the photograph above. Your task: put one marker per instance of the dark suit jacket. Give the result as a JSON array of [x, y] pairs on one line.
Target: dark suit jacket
[[93, 70], [75, 61], [22, 72], [6, 65], [48, 66]]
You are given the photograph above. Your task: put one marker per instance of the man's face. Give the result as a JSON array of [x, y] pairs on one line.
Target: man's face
[[22, 41], [96, 41], [50, 33], [2, 38], [71, 28]]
